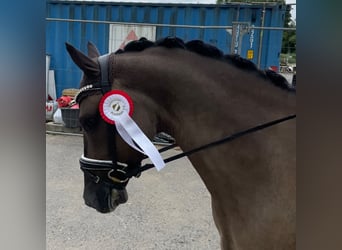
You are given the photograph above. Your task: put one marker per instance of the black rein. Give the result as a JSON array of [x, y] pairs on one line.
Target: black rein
[[232, 137]]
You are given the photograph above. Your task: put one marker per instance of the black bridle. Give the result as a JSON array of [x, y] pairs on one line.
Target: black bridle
[[112, 172], [117, 174]]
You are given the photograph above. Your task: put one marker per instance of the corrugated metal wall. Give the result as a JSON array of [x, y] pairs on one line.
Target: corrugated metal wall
[[79, 33]]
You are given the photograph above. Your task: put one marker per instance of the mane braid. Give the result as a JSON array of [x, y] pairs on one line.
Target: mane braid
[[208, 50]]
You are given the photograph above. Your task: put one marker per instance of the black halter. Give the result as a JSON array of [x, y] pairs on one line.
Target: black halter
[[117, 174]]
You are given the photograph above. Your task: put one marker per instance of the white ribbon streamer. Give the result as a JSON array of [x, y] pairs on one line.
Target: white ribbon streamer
[[130, 131], [126, 137], [115, 107]]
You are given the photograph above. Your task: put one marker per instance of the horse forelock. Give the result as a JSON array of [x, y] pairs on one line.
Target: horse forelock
[[208, 50]]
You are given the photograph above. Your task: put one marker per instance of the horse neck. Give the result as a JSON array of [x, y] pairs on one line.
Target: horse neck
[[200, 99]]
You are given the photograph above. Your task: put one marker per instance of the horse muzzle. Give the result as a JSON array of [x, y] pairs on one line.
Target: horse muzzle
[[104, 184]]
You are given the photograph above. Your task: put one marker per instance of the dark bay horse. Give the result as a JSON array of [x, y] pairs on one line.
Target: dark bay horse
[[198, 95]]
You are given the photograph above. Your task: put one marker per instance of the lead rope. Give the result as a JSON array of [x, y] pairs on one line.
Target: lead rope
[[232, 137]]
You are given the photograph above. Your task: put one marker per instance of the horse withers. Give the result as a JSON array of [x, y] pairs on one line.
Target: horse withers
[[198, 95]]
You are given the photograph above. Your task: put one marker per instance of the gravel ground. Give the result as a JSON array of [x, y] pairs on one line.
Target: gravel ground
[[169, 209]]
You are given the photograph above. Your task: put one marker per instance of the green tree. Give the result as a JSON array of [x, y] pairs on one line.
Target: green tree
[[249, 1], [289, 36]]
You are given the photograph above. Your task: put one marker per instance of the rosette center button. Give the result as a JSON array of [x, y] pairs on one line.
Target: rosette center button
[[117, 108]]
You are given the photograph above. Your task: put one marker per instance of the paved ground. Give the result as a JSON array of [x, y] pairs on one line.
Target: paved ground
[[165, 210]]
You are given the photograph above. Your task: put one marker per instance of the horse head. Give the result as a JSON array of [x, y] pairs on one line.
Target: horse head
[[107, 161]]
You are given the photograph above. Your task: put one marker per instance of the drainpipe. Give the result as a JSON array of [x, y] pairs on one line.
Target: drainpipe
[[261, 34], [238, 13], [234, 33]]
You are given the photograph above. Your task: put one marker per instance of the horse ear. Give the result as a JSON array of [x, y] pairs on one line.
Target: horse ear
[[85, 63], [93, 52]]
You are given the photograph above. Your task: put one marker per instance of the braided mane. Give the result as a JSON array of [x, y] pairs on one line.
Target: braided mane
[[204, 49]]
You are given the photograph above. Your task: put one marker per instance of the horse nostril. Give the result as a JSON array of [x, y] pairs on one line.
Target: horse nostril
[[118, 197], [123, 196], [113, 202], [115, 194]]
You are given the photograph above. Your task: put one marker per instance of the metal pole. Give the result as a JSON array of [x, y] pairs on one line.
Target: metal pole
[[161, 24], [261, 35]]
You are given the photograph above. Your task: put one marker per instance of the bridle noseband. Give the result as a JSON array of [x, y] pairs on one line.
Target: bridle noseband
[[117, 174], [113, 175]]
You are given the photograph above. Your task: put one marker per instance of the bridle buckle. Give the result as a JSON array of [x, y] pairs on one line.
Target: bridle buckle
[[115, 179]]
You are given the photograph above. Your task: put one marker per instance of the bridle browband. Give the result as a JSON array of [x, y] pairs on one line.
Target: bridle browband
[[118, 174]]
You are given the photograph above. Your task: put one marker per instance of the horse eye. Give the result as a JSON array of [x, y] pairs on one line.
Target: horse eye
[[88, 123]]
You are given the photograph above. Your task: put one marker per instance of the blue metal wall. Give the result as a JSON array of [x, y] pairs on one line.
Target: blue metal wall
[[67, 75]]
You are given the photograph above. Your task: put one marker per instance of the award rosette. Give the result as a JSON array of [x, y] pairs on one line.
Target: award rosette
[[114, 104], [116, 107]]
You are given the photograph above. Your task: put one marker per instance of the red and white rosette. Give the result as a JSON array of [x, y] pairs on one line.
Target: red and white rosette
[[113, 104], [116, 107]]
